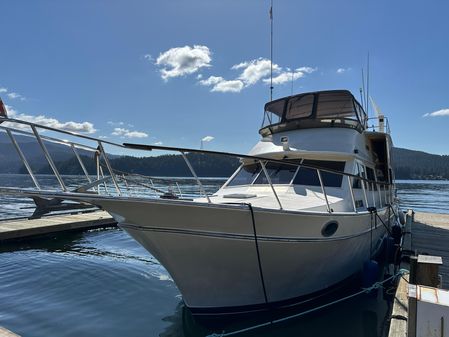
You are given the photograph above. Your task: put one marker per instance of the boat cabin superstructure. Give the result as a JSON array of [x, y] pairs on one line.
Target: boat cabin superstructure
[[322, 143]]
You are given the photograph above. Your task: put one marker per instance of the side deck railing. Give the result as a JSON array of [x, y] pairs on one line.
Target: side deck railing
[[97, 147]]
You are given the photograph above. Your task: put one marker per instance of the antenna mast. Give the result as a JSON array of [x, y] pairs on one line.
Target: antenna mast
[[367, 86], [364, 92], [271, 51]]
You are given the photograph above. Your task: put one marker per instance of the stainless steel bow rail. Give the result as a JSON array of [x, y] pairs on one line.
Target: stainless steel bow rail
[[122, 181]]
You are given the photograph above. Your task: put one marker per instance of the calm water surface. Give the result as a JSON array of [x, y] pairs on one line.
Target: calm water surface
[[102, 283]]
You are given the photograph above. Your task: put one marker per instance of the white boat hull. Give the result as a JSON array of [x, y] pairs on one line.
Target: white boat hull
[[211, 252]]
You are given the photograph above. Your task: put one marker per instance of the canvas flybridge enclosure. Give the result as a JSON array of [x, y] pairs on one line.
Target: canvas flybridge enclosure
[[335, 108]]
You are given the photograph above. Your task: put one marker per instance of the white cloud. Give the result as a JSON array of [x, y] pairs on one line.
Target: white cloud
[[307, 70], [148, 57], [183, 61], [288, 76], [219, 84], [442, 112], [342, 70], [158, 143], [14, 95], [255, 70], [212, 80], [252, 72], [125, 133], [115, 123], [103, 137], [228, 86], [207, 139], [85, 127]]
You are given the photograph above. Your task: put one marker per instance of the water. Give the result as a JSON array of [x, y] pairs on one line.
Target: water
[[102, 283], [424, 195]]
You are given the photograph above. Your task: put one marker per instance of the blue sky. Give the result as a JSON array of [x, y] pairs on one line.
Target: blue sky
[[174, 72]]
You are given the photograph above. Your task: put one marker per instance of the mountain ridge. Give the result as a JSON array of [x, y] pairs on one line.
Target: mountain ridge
[[408, 164]]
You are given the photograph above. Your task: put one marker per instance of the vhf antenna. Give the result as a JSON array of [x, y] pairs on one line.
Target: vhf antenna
[[271, 51], [367, 86]]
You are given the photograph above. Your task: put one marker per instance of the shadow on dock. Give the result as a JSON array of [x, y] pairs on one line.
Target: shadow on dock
[[430, 236]]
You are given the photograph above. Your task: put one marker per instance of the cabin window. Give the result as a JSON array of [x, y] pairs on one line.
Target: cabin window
[[300, 107], [278, 173], [370, 176], [359, 171], [246, 175], [309, 177], [334, 105]]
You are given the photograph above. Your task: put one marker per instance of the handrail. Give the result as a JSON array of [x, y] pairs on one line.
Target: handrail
[[147, 147], [376, 127], [269, 182], [111, 172], [352, 194], [23, 158], [49, 139], [71, 133], [260, 159], [48, 157], [323, 190], [196, 177]]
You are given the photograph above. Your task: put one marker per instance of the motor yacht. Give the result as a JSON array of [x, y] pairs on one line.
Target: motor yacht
[[309, 204]]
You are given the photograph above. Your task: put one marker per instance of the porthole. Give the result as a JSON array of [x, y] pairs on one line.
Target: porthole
[[329, 228]]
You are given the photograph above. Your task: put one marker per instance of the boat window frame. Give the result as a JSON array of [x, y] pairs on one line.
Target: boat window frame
[[340, 174], [295, 174], [239, 169], [266, 162]]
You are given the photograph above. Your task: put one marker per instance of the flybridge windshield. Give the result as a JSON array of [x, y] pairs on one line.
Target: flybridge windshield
[[325, 108]]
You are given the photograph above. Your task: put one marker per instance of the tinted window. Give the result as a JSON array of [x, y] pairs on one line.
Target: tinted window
[[246, 175], [279, 174], [300, 107], [310, 177], [360, 171], [334, 105], [371, 177]]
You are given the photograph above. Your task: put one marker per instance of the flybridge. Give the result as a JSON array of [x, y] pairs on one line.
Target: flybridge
[[335, 108]]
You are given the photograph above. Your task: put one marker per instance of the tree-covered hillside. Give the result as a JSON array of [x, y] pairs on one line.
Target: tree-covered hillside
[[408, 164]]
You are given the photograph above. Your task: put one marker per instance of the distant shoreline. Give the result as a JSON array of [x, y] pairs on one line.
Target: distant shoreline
[[203, 177]]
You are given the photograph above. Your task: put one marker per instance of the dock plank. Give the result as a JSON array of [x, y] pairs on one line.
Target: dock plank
[[6, 333], [17, 229], [399, 314], [430, 235]]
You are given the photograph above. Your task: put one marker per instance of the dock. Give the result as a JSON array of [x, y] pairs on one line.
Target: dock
[[25, 228], [428, 234], [6, 333]]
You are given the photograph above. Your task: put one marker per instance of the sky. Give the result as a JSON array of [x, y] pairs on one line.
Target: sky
[[182, 73]]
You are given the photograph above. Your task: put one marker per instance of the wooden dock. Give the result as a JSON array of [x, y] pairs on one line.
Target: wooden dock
[[6, 333], [25, 228], [429, 235]]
